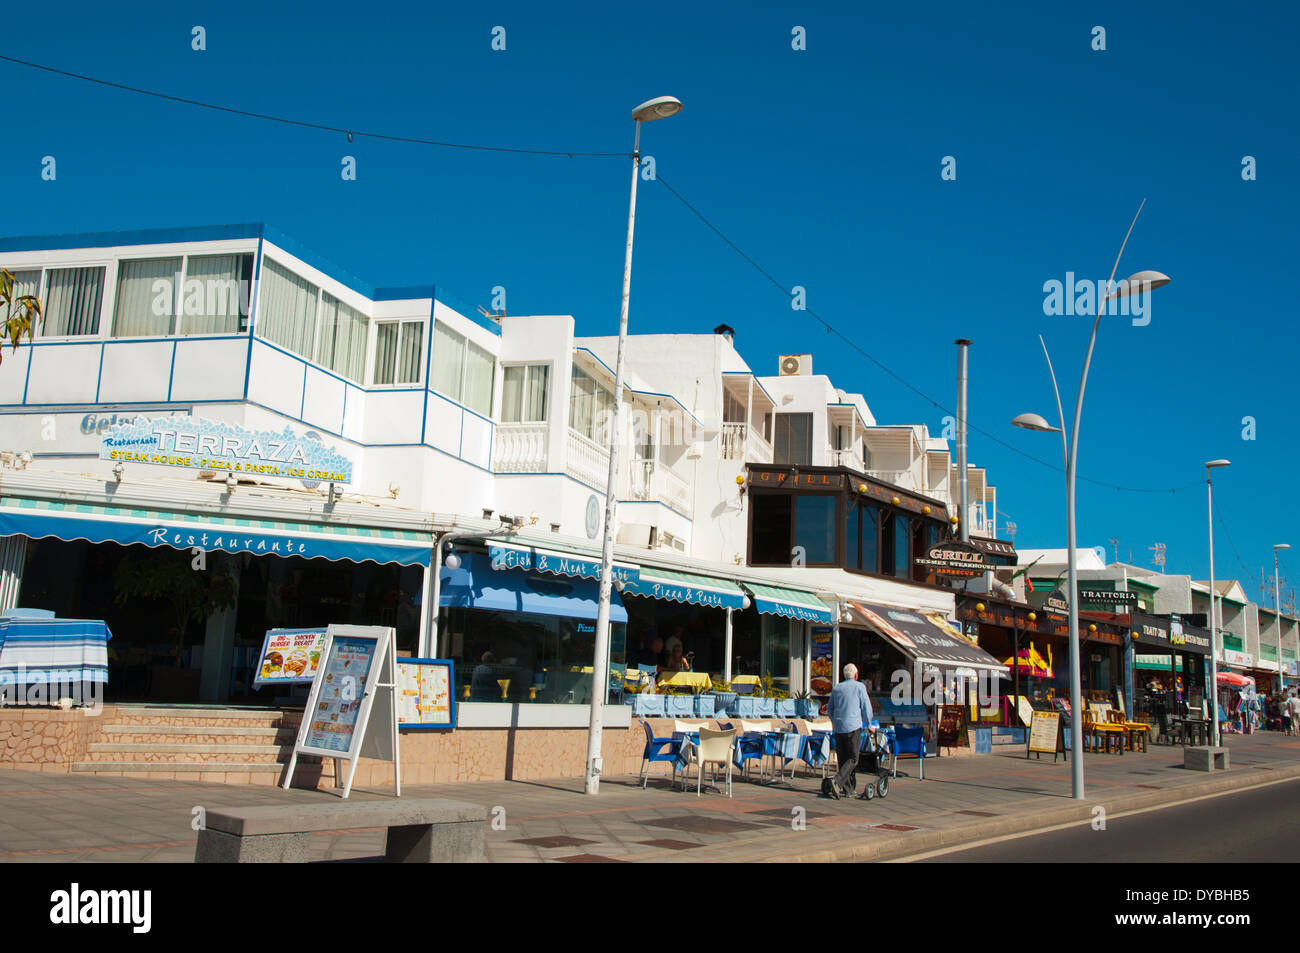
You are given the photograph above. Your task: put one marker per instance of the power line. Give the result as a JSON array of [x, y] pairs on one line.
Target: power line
[[350, 133], [916, 390]]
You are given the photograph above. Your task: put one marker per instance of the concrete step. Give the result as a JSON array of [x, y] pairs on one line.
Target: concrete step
[[195, 734], [187, 717], [228, 771], [172, 753]]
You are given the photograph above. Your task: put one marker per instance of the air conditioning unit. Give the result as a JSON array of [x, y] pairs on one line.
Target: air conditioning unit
[[637, 534], [669, 541], [793, 365]]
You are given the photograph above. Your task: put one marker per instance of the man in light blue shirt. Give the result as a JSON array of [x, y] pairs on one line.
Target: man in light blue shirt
[[850, 711]]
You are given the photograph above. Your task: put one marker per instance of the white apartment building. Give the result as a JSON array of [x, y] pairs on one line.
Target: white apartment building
[[222, 391]]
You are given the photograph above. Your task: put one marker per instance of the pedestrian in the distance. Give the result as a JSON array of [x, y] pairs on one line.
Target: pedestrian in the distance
[[1293, 705], [850, 711]]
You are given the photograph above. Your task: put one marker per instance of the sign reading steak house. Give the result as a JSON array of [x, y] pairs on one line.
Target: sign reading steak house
[[954, 559], [192, 443]]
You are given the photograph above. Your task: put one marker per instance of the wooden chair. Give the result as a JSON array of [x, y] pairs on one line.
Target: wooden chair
[[1102, 732], [1133, 730]]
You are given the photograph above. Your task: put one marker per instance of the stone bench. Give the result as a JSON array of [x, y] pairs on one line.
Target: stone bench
[[420, 830], [1202, 758]]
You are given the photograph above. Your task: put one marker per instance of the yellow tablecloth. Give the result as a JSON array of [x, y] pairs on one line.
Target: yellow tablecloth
[[695, 681], [746, 680]]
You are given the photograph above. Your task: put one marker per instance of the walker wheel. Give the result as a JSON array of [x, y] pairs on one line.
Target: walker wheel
[[869, 792], [882, 786]]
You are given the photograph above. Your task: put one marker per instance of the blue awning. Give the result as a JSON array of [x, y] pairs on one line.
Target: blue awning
[[527, 557], [40, 519], [476, 585], [789, 603], [686, 587]]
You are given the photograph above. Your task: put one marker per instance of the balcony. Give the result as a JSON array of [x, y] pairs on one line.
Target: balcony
[[520, 448], [739, 445], [587, 460], [647, 482]]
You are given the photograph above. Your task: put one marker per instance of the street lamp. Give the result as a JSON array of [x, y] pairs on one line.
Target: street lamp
[[1277, 618], [1214, 657], [662, 107], [1134, 284]]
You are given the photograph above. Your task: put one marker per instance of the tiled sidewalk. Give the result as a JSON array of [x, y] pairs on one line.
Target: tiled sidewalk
[[62, 818]]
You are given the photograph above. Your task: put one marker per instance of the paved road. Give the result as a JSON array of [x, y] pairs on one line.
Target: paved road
[[1261, 824]]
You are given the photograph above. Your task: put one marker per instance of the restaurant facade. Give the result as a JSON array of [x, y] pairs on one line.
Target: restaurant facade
[[190, 471]]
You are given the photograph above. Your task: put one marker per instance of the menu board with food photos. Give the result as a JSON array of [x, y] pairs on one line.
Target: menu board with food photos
[[821, 677], [356, 678], [289, 656], [424, 695]]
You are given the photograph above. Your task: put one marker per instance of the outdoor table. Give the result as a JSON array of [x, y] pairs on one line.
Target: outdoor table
[[61, 654], [695, 682]]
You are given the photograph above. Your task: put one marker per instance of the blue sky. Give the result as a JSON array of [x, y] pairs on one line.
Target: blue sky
[[823, 164]]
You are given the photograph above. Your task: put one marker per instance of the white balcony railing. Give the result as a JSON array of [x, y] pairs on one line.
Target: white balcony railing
[[587, 460], [648, 482], [737, 445], [520, 448]]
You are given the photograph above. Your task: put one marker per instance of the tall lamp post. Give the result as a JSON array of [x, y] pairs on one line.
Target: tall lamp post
[[1214, 640], [1134, 284], [1277, 617], [661, 107]]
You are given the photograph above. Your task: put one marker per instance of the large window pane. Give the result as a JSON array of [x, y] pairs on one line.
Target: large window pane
[[287, 313], [448, 361], [582, 404], [902, 538], [146, 297], [26, 282], [73, 298], [480, 370], [386, 352], [512, 393], [870, 539], [523, 393], [535, 393], [341, 340], [769, 529], [814, 528], [852, 531], [793, 444], [216, 294], [410, 351]]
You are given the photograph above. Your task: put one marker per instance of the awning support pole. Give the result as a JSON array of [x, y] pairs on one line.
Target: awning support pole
[[726, 651]]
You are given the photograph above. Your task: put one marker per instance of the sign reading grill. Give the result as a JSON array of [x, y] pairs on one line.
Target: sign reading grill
[[955, 560]]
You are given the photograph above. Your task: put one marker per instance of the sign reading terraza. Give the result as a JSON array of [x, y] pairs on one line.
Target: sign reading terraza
[[195, 444], [955, 559]]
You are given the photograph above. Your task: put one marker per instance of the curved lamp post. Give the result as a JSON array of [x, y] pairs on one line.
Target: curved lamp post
[[661, 107], [1134, 284], [1277, 617], [1214, 648]]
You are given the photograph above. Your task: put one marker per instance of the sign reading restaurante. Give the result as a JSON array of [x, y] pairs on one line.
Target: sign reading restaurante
[[192, 443]]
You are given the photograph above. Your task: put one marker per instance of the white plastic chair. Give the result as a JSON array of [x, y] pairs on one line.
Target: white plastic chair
[[715, 747]]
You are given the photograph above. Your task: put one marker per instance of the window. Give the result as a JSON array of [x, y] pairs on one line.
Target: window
[[399, 346], [769, 528], [462, 370], [793, 439], [589, 407], [733, 410], [341, 338], [73, 298], [146, 297], [26, 282], [287, 315], [896, 548], [216, 294], [814, 528], [523, 393], [861, 537]]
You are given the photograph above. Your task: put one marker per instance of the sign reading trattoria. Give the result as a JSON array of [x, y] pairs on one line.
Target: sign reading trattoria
[[1108, 597], [954, 559], [192, 443]]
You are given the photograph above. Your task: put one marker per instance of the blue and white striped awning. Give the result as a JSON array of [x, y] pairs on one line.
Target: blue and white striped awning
[[96, 523], [579, 565], [789, 603], [686, 587]]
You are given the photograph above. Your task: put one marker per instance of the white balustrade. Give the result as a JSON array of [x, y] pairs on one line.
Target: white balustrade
[[520, 448]]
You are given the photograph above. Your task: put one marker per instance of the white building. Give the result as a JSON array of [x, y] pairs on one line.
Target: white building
[[171, 364]]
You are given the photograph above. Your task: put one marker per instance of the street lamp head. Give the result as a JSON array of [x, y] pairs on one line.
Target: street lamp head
[[1281, 545], [1034, 422], [661, 107], [1138, 283], [1211, 464]]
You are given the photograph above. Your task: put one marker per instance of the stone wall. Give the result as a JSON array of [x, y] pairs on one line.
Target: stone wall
[[46, 739]]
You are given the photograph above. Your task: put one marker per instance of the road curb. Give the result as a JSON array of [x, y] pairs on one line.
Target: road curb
[[879, 846]]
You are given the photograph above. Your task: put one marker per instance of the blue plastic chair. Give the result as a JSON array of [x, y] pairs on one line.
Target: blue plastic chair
[[648, 706], [658, 749], [617, 676], [908, 740], [704, 706]]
